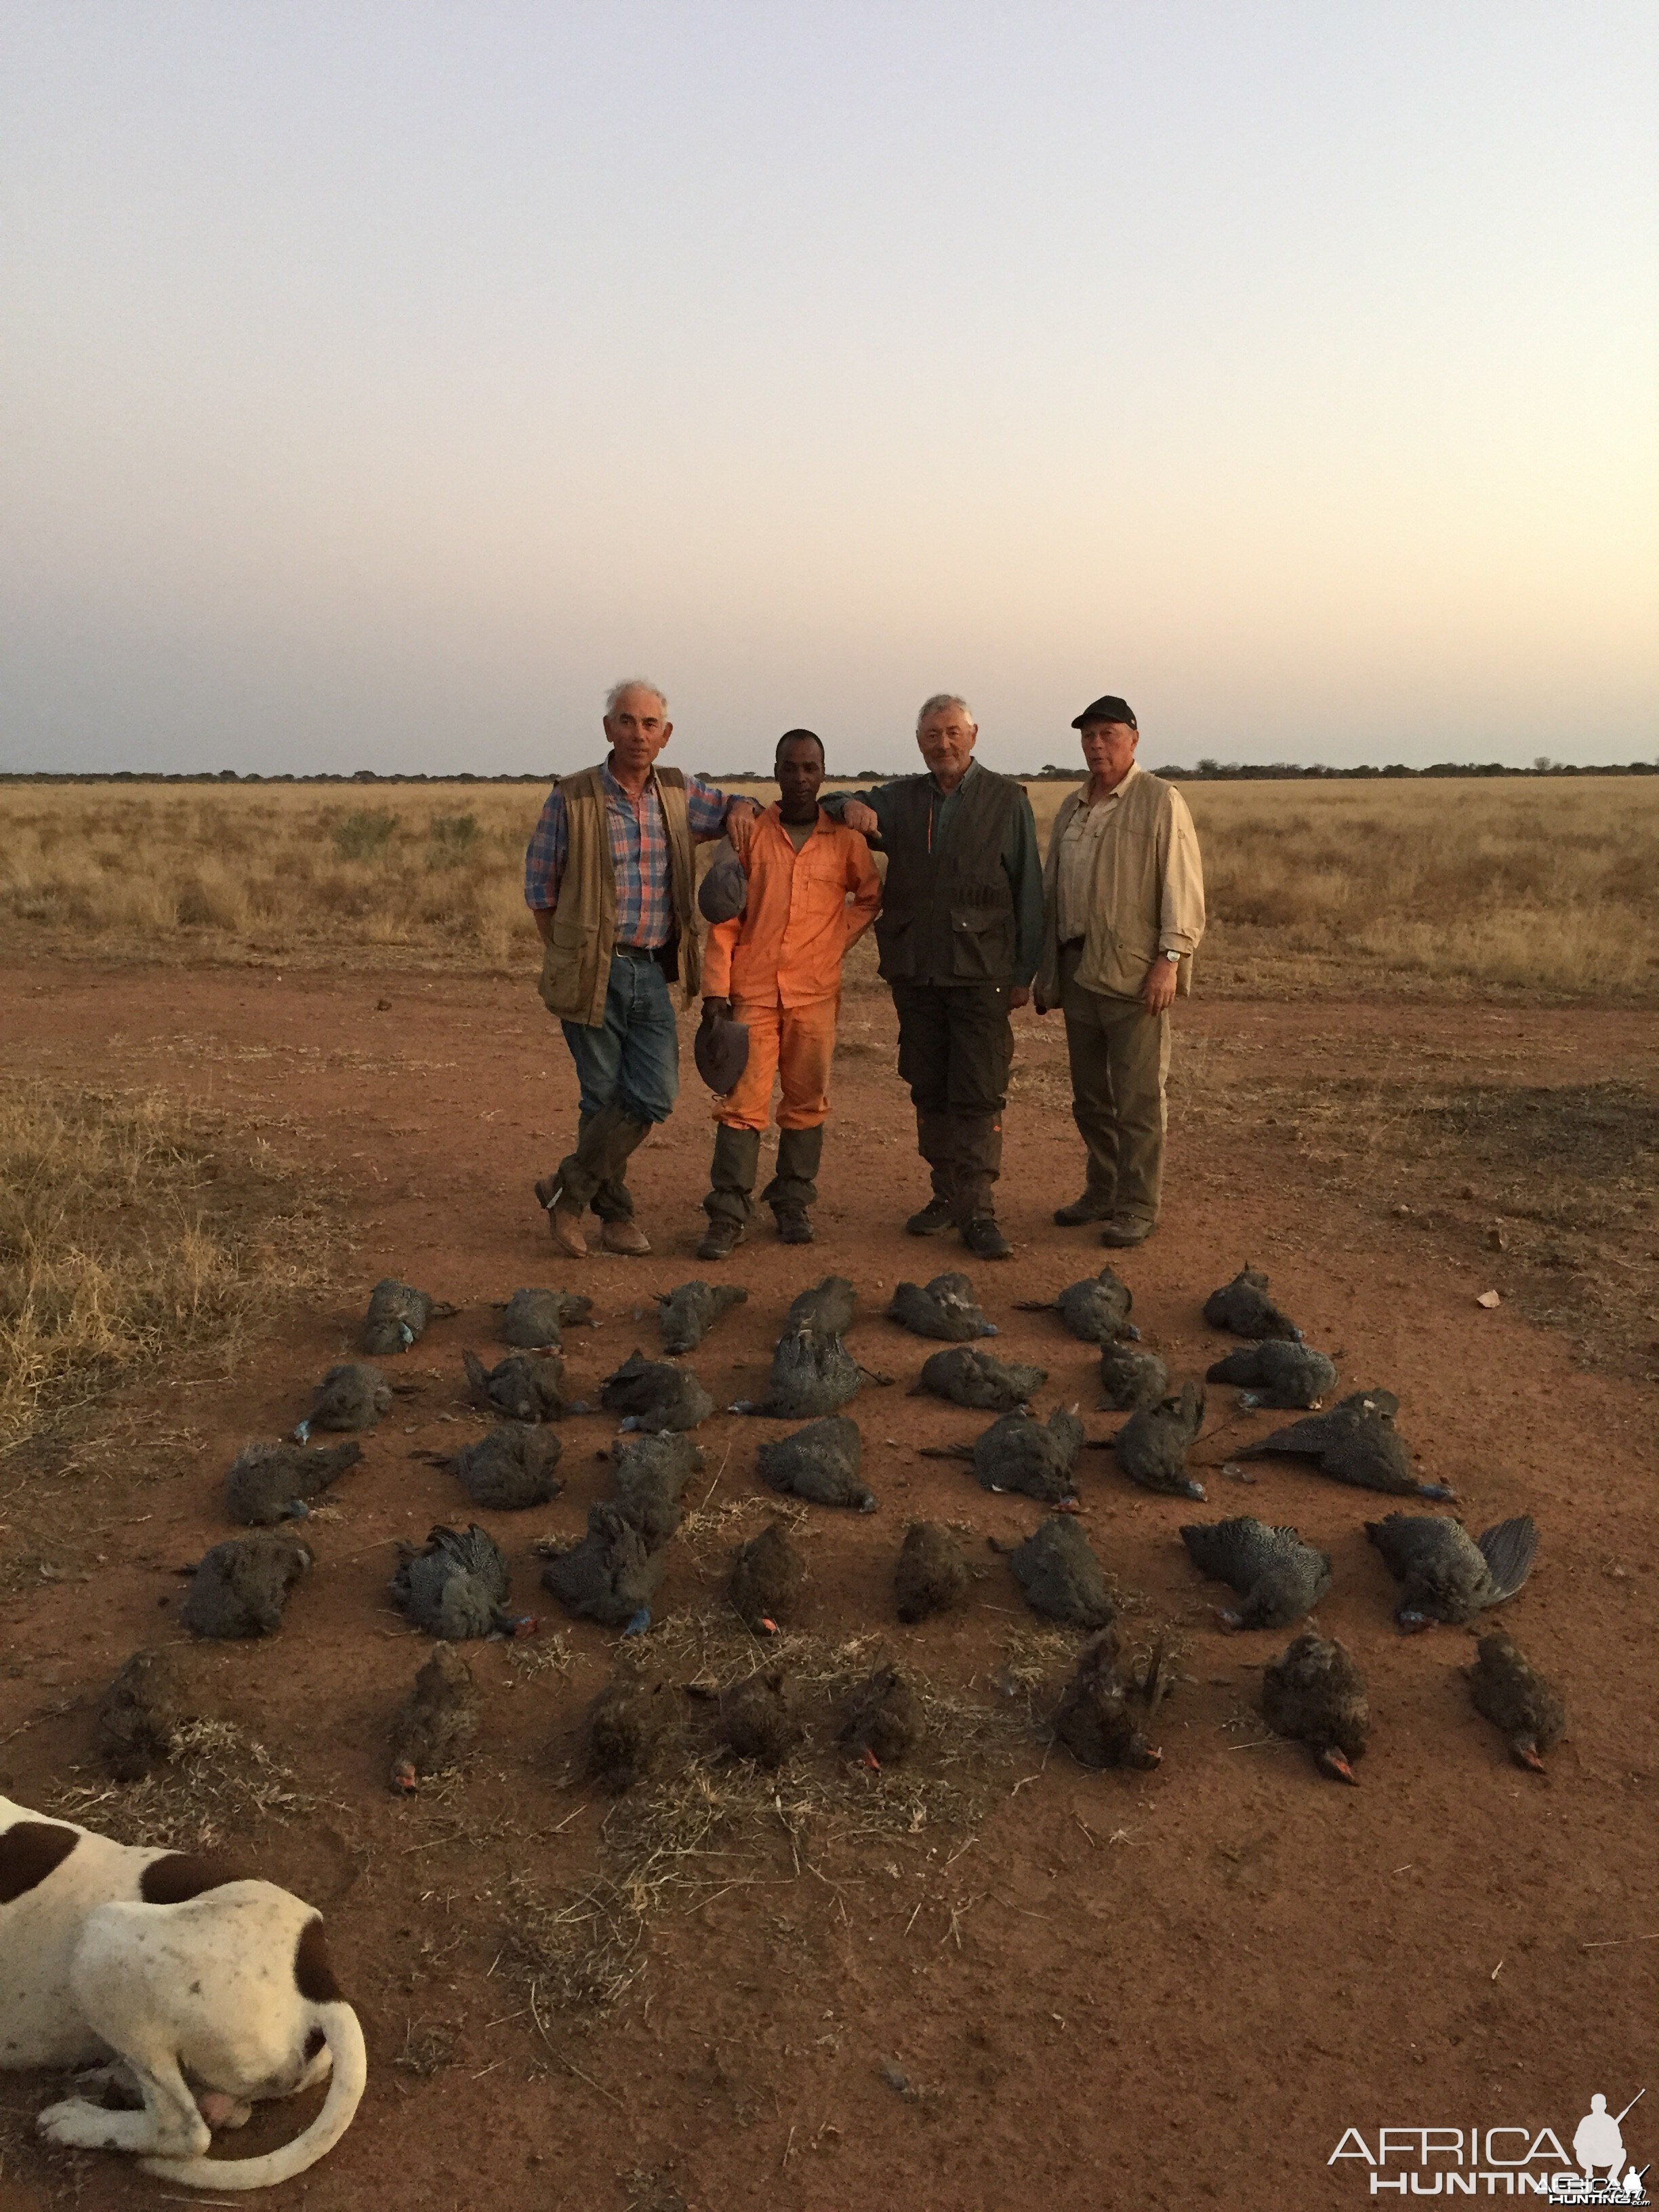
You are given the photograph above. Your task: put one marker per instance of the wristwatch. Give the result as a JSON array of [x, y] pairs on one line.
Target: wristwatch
[[1173, 957]]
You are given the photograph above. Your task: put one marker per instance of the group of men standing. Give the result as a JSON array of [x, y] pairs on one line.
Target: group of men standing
[[970, 922]]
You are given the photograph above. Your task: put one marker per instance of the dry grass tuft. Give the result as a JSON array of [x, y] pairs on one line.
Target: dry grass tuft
[[131, 1227], [220, 1783], [1434, 889]]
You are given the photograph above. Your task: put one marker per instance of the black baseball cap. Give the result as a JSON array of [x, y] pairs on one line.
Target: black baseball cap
[[1111, 708]]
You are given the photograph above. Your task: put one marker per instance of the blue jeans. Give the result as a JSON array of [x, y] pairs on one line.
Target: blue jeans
[[632, 1060]]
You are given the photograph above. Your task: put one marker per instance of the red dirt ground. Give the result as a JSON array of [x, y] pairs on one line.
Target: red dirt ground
[[1151, 1990]]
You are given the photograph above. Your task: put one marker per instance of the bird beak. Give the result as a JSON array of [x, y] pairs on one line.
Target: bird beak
[[871, 1760], [403, 1777], [1132, 1332], [525, 1625], [769, 1626], [1335, 1763], [1528, 1755]]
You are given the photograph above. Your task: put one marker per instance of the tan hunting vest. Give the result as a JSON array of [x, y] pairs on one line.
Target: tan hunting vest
[[1126, 896], [576, 958]]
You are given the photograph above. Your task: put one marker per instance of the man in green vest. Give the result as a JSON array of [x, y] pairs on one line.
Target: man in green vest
[[959, 932], [610, 879], [1123, 914]]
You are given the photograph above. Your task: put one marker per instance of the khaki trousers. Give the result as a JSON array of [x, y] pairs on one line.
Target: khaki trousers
[[1120, 1056]]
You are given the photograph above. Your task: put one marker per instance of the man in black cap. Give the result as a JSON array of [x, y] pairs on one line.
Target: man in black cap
[[960, 932], [1123, 914]]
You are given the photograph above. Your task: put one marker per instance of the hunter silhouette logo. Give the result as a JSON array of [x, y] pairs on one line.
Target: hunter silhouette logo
[[1509, 2161]]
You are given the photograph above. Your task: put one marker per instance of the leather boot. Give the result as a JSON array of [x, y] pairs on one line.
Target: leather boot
[[605, 1142], [980, 1136], [936, 1140], [613, 1200], [794, 1190], [732, 1181]]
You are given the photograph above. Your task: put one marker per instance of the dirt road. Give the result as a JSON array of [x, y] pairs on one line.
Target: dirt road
[[1108, 1991]]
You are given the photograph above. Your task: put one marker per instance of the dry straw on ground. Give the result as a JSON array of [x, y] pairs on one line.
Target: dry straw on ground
[[1445, 888], [131, 1226]]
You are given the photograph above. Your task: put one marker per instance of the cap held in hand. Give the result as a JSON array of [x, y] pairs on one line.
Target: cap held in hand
[[721, 1052]]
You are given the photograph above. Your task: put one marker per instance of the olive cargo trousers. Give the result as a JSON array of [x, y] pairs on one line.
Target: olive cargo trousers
[[1120, 1057]]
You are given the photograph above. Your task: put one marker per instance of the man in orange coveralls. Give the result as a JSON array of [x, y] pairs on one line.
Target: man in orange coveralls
[[777, 968]]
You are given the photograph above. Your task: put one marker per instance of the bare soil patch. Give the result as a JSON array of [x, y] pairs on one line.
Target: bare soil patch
[[995, 1981]]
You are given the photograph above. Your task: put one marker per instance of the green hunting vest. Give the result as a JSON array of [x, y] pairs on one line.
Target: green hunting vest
[[576, 958], [947, 913]]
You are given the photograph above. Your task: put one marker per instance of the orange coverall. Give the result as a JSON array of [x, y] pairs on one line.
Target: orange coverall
[[780, 964]]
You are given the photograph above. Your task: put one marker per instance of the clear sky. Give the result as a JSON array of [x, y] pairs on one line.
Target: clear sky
[[382, 381]]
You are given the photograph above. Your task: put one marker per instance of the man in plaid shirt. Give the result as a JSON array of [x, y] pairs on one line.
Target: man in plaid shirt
[[609, 878]]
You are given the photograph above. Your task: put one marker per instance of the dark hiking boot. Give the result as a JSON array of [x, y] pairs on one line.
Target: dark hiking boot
[[794, 1224], [721, 1238], [985, 1240], [934, 1218], [1121, 1231], [1079, 1212]]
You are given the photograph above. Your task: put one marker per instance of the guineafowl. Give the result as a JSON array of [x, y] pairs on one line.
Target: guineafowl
[[1314, 1692], [819, 1463], [1244, 1308], [687, 1315], [510, 1468], [1355, 1442], [526, 1386], [1279, 1578], [1152, 1444], [625, 1730], [611, 1576], [349, 1396], [1038, 1459], [267, 1483], [1445, 1574], [653, 1396], [398, 1316], [436, 1722], [456, 1586], [1062, 1579], [240, 1587], [1094, 1719], [535, 1320], [881, 1721], [944, 1309], [976, 1380], [1275, 1374], [755, 1721], [1096, 1309], [827, 1308], [1129, 1378]]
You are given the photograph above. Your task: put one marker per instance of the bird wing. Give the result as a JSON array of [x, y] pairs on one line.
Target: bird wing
[[1508, 1550]]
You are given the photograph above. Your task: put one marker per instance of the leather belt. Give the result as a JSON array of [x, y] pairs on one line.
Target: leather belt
[[638, 951]]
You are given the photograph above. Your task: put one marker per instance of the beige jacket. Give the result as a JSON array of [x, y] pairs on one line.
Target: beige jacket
[[576, 959], [1146, 894]]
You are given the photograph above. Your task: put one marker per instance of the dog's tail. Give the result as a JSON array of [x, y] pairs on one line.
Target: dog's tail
[[340, 2030]]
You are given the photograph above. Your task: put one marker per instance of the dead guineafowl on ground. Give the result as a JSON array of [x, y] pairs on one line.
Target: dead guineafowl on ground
[[977, 1380], [1153, 1445], [1355, 1442], [943, 1308], [349, 1396], [139, 1716], [240, 1586], [753, 1721], [687, 1315], [1095, 1719], [1057, 1569], [881, 1721], [1243, 1308], [931, 1573], [611, 1576], [651, 1396], [456, 1587], [526, 1386], [398, 1316], [1445, 1574], [1038, 1459], [819, 1463], [267, 1483], [625, 1730], [510, 1468], [1279, 1578], [1314, 1694], [1508, 1691], [650, 1474], [535, 1320], [1277, 1375], [436, 1722], [811, 1375], [1095, 1310], [827, 1307], [767, 1577], [1130, 1377]]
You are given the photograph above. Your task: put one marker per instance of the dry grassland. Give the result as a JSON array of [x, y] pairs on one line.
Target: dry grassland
[[1444, 889]]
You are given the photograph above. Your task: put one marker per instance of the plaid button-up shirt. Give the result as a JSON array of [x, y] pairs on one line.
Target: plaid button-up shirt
[[639, 853]]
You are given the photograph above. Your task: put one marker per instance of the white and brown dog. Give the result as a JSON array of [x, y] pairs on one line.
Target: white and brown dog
[[202, 1992]]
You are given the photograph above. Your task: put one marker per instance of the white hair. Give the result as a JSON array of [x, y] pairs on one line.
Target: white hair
[[614, 695], [938, 703]]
